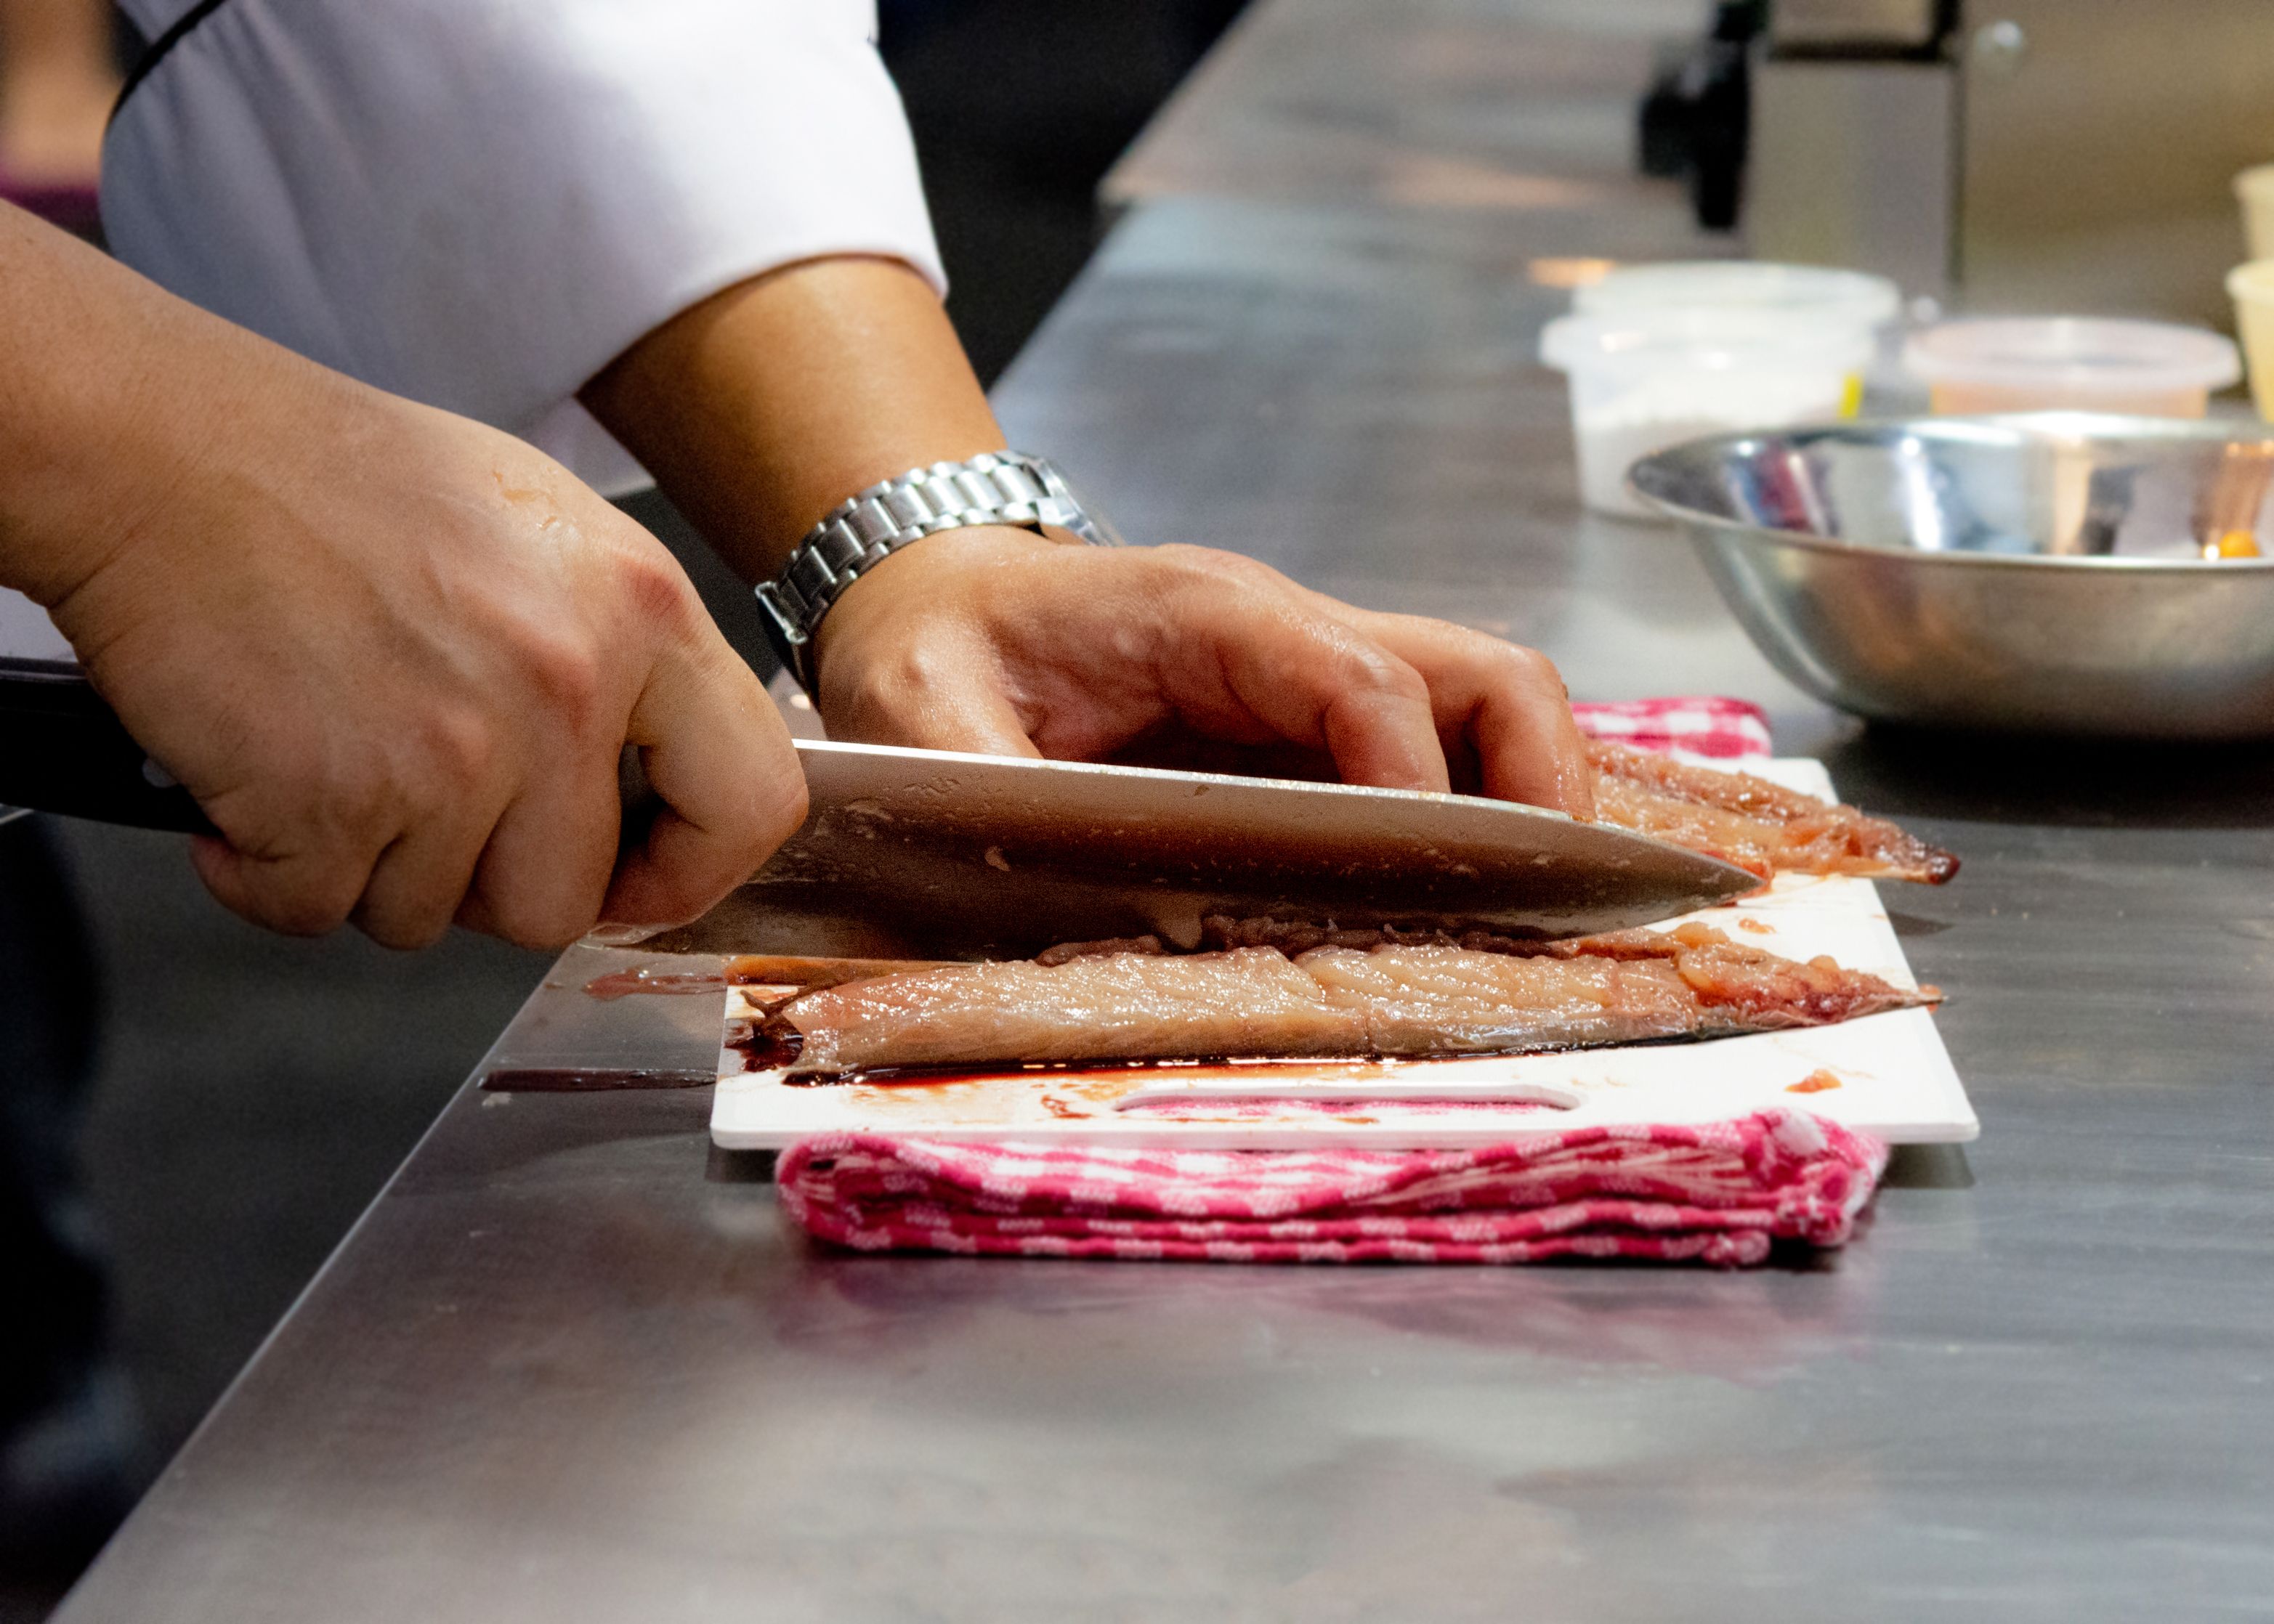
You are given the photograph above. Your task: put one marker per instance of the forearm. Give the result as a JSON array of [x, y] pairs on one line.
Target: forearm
[[95, 369], [763, 407]]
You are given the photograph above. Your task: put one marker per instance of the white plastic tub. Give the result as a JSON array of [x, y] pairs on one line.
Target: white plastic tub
[[2253, 189], [1646, 378], [2155, 369], [2252, 288], [1849, 297]]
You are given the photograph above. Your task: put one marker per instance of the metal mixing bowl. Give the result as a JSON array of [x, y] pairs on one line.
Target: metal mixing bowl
[[2044, 573]]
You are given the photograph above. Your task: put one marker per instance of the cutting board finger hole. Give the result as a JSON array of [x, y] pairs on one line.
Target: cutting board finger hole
[[1173, 1101]]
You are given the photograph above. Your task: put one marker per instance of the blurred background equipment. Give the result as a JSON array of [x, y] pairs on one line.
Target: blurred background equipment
[[1697, 114], [1019, 106], [2002, 154]]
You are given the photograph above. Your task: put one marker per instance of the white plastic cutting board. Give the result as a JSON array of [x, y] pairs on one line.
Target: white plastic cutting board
[[1888, 1075]]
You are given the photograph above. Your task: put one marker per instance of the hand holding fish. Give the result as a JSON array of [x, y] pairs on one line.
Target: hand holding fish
[[999, 640], [760, 409]]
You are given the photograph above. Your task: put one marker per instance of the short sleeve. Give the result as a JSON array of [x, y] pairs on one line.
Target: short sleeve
[[480, 203]]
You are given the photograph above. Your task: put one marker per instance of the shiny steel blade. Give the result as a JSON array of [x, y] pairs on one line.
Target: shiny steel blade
[[931, 854]]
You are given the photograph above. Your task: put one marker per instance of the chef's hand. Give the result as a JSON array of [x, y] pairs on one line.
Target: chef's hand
[[394, 655], [998, 640], [765, 406]]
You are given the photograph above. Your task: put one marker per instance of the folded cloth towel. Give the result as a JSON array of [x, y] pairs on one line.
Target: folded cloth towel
[[1715, 1192], [1719, 729]]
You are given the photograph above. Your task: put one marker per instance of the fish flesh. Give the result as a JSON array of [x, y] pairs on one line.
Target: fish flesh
[[1390, 997], [1757, 825], [1393, 998]]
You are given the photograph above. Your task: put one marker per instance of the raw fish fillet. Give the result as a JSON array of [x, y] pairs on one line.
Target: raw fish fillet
[[1394, 998], [1752, 822]]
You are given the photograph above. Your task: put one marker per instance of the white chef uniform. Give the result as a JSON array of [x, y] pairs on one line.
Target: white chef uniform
[[480, 203]]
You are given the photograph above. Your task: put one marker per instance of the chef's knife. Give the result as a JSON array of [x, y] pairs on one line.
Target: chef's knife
[[62, 751], [933, 854]]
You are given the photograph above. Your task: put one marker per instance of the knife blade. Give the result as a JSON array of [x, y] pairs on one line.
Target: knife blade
[[938, 854], [934, 854]]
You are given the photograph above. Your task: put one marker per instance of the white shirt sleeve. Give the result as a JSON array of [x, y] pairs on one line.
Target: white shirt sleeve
[[481, 203]]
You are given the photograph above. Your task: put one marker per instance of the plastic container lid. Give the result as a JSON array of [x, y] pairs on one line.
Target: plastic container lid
[[2255, 182], [1717, 339], [1742, 284], [2081, 353], [2252, 283]]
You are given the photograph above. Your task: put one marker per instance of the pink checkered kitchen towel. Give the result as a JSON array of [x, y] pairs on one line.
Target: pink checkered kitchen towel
[[1720, 729], [1718, 1194]]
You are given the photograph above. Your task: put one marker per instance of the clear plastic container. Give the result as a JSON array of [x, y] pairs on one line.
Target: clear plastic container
[[1644, 380], [2154, 368], [2253, 189], [2252, 288], [1808, 290]]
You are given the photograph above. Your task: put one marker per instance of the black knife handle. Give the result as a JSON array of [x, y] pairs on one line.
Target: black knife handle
[[64, 751]]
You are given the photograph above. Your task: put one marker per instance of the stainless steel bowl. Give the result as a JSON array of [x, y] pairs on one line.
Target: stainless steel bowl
[[2044, 573]]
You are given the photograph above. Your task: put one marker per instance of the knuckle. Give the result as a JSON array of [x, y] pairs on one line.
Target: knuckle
[[292, 829], [656, 590], [1370, 667], [551, 935], [570, 678], [772, 822], [1395, 677], [401, 932], [347, 797], [294, 868], [457, 748], [314, 907], [1520, 661], [1214, 565], [529, 923], [1531, 669], [877, 695]]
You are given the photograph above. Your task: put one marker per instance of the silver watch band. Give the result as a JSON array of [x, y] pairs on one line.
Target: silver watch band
[[997, 487]]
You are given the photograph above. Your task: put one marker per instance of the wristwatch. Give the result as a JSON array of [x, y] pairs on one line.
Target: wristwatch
[[996, 487]]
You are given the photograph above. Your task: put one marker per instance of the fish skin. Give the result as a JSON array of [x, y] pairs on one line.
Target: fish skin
[[1098, 1006], [1409, 999]]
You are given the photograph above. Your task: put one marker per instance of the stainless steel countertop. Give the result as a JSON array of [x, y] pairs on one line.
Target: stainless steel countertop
[[1484, 105], [570, 1367]]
